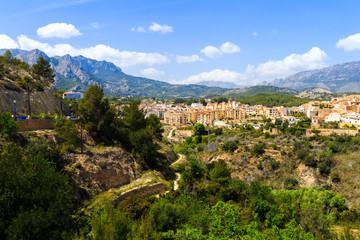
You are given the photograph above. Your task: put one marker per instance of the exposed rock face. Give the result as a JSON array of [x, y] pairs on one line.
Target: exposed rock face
[[73, 71], [41, 101], [343, 77], [103, 170]]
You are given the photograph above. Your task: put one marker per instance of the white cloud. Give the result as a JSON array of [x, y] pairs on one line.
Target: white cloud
[[99, 52], [229, 48], [188, 59], [214, 75], [350, 43], [291, 64], [59, 30], [225, 48], [138, 29], [155, 27], [267, 71], [152, 72], [211, 52], [7, 42]]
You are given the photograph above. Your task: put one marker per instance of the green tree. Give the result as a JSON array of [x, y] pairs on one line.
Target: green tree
[[109, 224], [2, 68], [165, 215], [67, 134], [28, 84], [95, 112], [229, 146], [59, 94], [134, 118], [7, 124], [7, 56], [144, 146], [199, 129], [218, 131], [43, 68], [36, 201], [258, 149], [153, 122]]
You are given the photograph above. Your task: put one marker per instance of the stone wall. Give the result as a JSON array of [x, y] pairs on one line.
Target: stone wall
[[141, 192], [35, 124], [326, 132]]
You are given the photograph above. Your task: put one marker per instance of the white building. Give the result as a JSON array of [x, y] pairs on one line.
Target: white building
[[333, 117]]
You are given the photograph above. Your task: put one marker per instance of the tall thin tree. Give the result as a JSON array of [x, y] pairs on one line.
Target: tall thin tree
[[28, 84], [59, 94]]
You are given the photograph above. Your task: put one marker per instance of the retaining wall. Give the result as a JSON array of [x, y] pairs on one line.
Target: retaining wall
[[326, 132], [141, 192], [35, 124]]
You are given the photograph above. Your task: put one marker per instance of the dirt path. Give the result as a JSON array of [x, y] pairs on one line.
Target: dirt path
[[170, 133], [176, 185], [178, 176]]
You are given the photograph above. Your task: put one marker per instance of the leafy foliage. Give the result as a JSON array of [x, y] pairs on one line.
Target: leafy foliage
[[8, 125], [67, 133], [43, 68], [274, 99], [95, 112], [36, 200]]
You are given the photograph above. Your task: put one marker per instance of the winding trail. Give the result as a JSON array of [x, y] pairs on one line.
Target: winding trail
[[170, 133], [178, 176]]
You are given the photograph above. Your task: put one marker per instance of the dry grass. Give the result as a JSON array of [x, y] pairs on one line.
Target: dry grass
[[348, 168]]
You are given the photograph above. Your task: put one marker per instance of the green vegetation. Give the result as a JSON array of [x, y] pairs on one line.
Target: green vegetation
[[67, 134], [239, 183], [254, 90], [37, 200], [43, 69], [8, 126], [274, 99]]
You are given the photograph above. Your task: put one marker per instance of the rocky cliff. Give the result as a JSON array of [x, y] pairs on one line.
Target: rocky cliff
[[101, 170], [338, 78], [41, 98]]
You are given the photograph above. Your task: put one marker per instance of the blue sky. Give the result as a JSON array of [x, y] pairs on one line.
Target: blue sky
[[189, 41]]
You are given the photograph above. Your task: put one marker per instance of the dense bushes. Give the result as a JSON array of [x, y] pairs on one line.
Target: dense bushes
[[36, 199]]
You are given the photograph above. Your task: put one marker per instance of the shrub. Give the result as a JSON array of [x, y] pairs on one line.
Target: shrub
[[218, 131], [309, 161], [302, 153], [267, 135], [7, 124], [274, 164], [335, 177], [291, 183], [165, 215], [324, 169], [229, 146], [258, 149]]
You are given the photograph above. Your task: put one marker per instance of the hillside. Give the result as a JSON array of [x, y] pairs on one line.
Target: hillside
[[251, 91], [338, 78], [41, 97], [81, 71]]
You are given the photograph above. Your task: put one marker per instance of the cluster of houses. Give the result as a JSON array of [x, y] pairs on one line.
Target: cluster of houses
[[343, 110]]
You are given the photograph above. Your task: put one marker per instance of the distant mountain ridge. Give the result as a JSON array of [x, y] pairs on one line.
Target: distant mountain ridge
[[81, 71], [338, 78]]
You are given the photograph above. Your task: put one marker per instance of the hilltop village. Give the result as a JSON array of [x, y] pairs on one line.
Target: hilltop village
[[341, 110]]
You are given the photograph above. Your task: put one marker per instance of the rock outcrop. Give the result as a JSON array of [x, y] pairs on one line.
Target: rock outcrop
[[102, 170]]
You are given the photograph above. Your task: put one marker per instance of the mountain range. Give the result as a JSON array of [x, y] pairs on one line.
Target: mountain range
[[338, 78], [81, 72]]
